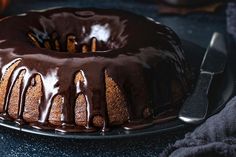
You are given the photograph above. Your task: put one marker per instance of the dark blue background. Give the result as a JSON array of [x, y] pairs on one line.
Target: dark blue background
[[197, 27]]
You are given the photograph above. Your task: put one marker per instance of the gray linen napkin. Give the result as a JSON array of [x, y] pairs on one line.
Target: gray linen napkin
[[216, 137]]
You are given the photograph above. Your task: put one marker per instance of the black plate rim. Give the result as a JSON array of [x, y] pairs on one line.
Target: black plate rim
[[27, 129]]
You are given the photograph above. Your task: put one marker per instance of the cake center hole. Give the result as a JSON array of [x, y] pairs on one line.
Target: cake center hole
[[92, 38], [79, 32], [72, 43]]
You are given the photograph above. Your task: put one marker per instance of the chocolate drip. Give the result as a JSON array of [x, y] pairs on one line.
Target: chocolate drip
[[49, 90], [95, 97], [142, 64]]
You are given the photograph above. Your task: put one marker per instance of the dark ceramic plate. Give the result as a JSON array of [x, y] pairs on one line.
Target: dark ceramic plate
[[222, 89]]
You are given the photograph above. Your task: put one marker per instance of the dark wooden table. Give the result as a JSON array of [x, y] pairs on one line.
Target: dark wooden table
[[197, 28]]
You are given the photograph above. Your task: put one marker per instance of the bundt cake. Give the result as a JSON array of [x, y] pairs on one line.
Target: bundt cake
[[74, 70]]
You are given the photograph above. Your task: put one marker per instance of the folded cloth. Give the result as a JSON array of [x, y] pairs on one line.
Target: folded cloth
[[231, 19], [215, 137]]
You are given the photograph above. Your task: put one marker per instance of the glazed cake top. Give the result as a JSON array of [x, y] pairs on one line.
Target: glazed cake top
[[129, 48]]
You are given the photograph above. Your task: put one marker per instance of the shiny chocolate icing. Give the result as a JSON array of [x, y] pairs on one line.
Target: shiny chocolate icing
[[139, 54]]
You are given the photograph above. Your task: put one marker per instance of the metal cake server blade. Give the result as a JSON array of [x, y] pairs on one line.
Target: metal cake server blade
[[194, 109]]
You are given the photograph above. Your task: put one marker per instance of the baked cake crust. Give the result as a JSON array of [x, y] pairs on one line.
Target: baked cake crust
[[78, 69]]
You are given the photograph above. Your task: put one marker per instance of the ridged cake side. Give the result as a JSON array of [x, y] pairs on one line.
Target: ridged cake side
[[74, 70]]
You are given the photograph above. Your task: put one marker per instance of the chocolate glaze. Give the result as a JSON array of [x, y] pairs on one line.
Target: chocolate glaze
[[140, 55]]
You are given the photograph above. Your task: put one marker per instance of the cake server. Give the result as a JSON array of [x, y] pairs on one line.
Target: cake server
[[194, 109]]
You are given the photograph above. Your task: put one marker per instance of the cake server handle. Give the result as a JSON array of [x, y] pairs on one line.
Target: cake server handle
[[194, 110]]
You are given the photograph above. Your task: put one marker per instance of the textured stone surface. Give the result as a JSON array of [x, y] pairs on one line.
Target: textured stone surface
[[15, 143]]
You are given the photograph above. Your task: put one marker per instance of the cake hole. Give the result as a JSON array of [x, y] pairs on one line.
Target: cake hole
[[34, 39], [80, 32], [72, 44], [84, 48]]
